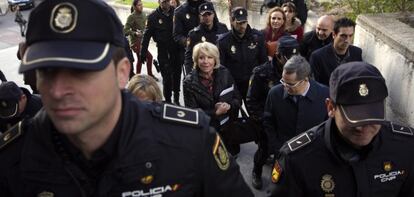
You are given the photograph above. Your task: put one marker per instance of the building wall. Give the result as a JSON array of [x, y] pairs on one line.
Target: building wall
[[388, 45]]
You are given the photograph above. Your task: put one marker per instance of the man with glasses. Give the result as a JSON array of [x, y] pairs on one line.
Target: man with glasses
[[208, 31], [295, 105], [263, 78], [324, 60]]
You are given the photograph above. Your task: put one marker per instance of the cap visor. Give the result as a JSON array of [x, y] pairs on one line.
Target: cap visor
[[9, 112], [67, 54], [241, 19], [207, 11], [357, 115]]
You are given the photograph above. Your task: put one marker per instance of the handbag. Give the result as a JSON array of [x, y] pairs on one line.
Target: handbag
[[241, 130]]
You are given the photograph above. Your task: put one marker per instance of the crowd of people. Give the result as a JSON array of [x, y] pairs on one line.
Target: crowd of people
[[100, 129]]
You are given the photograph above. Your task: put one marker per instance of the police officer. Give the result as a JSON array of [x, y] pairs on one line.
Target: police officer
[[264, 77], [159, 27], [94, 139], [16, 104], [241, 49], [186, 17], [355, 152], [207, 31]]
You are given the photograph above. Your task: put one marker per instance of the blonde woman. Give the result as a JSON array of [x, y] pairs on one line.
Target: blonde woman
[[145, 88], [210, 87]]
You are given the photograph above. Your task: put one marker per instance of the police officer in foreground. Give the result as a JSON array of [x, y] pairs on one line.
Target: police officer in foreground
[[207, 31], [94, 139], [264, 77], [355, 152], [160, 26], [241, 49]]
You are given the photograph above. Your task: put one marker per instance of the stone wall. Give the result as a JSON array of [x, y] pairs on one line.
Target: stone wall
[[388, 44]]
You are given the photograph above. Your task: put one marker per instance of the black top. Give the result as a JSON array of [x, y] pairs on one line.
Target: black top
[[162, 150], [311, 43], [324, 164]]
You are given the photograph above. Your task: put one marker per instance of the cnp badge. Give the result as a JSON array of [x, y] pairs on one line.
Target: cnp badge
[[233, 49], [387, 166], [160, 21], [252, 45], [327, 183], [187, 16], [363, 90], [147, 179], [63, 18], [203, 38], [220, 154]]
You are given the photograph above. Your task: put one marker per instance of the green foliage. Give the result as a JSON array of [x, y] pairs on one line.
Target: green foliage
[[147, 4], [376, 6]]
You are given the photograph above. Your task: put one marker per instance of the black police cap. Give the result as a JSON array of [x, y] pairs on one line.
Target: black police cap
[[206, 7], [10, 95], [239, 14], [78, 34], [360, 91], [287, 45]]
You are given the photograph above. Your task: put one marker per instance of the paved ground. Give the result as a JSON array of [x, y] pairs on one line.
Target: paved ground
[[10, 37]]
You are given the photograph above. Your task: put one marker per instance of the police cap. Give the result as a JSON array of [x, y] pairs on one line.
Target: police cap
[[288, 45], [9, 99], [239, 14], [206, 7], [360, 91], [78, 34]]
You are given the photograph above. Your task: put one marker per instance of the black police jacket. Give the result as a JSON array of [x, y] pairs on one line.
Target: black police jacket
[[159, 26], [311, 43], [241, 55], [196, 95], [202, 34], [33, 105], [186, 17], [324, 60], [283, 118], [312, 164], [264, 77], [161, 150]]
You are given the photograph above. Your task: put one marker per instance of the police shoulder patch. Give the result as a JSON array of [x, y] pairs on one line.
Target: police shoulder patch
[[401, 129], [220, 154], [276, 172], [299, 141], [179, 114], [10, 135]]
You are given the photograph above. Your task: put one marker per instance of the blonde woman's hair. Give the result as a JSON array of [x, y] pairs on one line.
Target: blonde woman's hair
[[208, 49], [145, 83]]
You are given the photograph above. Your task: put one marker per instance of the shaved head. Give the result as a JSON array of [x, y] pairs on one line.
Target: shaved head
[[324, 26]]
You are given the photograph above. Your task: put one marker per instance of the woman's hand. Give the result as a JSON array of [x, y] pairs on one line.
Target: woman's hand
[[222, 108]]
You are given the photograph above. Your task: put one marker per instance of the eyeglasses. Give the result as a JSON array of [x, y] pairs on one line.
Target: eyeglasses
[[289, 85]]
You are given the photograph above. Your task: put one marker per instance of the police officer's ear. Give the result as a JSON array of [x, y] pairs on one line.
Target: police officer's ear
[[330, 107], [122, 70]]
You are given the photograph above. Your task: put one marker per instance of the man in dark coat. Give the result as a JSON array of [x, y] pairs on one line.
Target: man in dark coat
[[295, 105], [208, 31], [186, 18], [317, 38], [92, 138], [241, 49], [263, 78], [324, 60], [160, 27]]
